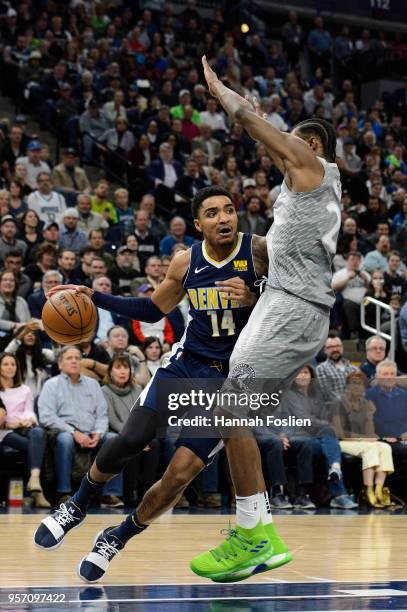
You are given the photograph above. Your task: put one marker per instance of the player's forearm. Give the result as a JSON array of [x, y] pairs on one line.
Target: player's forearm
[[141, 309]]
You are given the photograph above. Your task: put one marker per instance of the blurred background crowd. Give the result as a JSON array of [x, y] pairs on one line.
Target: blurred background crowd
[[112, 134]]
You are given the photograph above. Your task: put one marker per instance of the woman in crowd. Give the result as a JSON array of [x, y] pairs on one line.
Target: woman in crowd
[[32, 358], [4, 202], [121, 392], [153, 351], [231, 170], [19, 426], [354, 426], [377, 290], [30, 232], [18, 204], [14, 311]]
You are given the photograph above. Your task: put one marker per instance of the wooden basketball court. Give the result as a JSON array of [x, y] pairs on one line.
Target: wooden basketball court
[[366, 551]]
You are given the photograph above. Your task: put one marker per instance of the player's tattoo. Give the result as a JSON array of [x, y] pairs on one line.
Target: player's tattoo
[[260, 256]]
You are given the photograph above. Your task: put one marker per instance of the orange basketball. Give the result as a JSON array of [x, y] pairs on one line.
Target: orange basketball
[[69, 317]]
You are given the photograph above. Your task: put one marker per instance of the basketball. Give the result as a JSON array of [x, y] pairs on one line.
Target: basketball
[[69, 317]]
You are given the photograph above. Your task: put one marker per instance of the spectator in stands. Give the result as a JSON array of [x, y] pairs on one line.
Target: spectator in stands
[[394, 282], [33, 164], [122, 273], [8, 240], [114, 109], [66, 266], [118, 142], [353, 418], [73, 406], [375, 353], [153, 351], [121, 393], [46, 260], [148, 244], [390, 401], [14, 311], [36, 301], [14, 263], [352, 282], [291, 34], [106, 319], [176, 235], [403, 327], [97, 241], [69, 178], [100, 203], [47, 203], [153, 274], [30, 233], [13, 148], [19, 425], [251, 220], [118, 343], [377, 259], [92, 124], [215, 119], [165, 170], [88, 219], [124, 211], [161, 329], [368, 220], [32, 357], [332, 373], [70, 237], [18, 204]]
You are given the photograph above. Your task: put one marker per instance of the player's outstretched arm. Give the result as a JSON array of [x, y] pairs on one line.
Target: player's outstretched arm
[[291, 149], [162, 301]]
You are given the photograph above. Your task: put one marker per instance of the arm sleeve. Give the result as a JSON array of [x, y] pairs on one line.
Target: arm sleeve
[[141, 309]]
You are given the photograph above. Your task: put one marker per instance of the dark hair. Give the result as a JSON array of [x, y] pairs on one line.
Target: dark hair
[[45, 249], [149, 341], [36, 354], [2, 273], [24, 215], [324, 131], [17, 377], [204, 194], [123, 358], [14, 253]]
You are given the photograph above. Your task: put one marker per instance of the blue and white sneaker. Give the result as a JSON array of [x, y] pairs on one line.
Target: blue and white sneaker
[[105, 548], [52, 530], [343, 501]]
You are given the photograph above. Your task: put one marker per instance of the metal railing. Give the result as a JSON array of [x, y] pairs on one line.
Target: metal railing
[[377, 330]]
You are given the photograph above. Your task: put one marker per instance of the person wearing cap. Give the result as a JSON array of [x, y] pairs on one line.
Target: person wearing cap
[[123, 272], [70, 237], [33, 164], [92, 125], [47, 203], [178, 111], [8, 240], [207, 143], [69, 178], [249, 187]]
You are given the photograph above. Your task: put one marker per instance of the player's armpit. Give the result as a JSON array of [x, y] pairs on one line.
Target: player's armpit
[[171, 291], [260, 255]]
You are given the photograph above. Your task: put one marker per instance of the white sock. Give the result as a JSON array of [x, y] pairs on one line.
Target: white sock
[[248, 511], [265, 510]]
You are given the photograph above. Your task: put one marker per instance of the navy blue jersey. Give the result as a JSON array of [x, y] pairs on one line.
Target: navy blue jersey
[[216, 322]]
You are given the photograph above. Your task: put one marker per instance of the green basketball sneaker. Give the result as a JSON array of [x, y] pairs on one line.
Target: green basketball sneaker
[[242, 551], [280, 555]]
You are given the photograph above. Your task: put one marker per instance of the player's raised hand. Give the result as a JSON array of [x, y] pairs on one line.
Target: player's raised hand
[[211, 77], [236, 289]]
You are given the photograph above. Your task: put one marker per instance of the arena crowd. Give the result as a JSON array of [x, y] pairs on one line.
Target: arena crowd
[[121, 91]]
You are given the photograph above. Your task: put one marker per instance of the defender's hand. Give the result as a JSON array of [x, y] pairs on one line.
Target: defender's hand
[[236, 289], [211, 78]]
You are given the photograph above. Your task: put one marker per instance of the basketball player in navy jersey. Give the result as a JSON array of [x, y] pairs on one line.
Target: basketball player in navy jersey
[[228, 259], [290, 321]]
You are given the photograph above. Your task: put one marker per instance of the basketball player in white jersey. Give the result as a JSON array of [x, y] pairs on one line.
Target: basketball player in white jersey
[[290, 322]]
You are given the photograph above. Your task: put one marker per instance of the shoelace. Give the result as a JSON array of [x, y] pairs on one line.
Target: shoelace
[[64, 515], [106, 549], [233, 543]]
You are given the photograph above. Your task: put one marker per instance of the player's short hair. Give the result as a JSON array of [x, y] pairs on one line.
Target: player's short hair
[[204, 194], [324, 131]]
